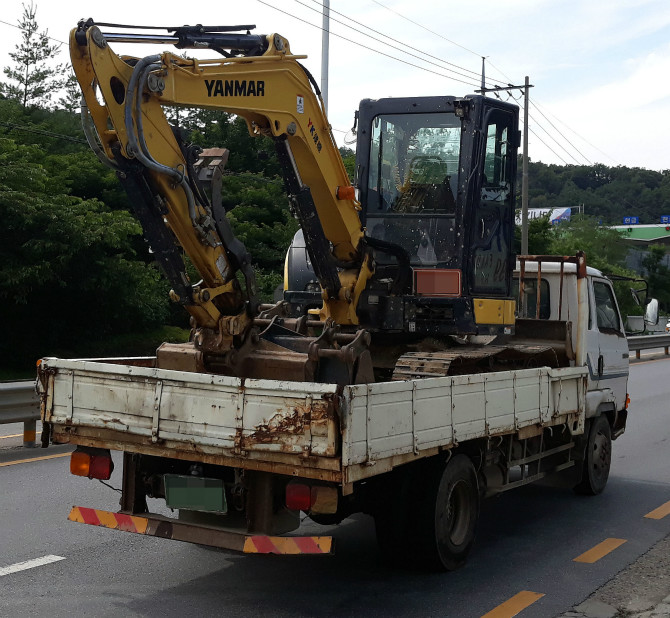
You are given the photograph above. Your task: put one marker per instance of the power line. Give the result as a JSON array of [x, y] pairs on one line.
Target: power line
[[555, 140], [390, 38], [538, 124], [416, 66], [537, 105], [499, 71], [509, 79], [547, 146], [426, 29], [422, 68], [23, 30], [561, 134], [18, 127], [552, 137]]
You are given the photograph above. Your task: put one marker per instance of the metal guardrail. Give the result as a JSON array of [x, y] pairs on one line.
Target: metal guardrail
[[649, 342], [19, 403]]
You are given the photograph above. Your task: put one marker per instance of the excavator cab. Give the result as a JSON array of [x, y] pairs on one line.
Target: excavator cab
[[436, 182]]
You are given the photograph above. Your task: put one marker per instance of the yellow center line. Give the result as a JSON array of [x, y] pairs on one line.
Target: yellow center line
[[513, 606], [14, 435], [660, 512], [20, 461], [600, 550]]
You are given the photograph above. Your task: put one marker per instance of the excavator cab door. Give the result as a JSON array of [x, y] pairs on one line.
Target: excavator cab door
[[491, 217]]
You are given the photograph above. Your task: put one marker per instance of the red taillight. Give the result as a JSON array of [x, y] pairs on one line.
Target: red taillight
[[93, 463], [314, 498], [298, 497]]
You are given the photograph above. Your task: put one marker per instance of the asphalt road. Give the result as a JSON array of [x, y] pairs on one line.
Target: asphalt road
[[524, 556]]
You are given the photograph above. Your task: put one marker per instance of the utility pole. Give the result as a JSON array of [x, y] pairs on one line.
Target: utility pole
[[524, 178], [483, 74], [524, 171], [324, 53]]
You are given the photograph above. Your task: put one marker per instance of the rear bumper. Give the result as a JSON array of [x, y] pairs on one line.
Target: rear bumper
[[166, 528]]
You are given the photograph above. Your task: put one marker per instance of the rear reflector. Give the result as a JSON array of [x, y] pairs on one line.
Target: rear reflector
[[298, 497], [437, 282], [92, 463], [324, 499]]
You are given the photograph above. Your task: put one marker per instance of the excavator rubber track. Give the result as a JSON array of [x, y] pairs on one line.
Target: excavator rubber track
[[473, 359]]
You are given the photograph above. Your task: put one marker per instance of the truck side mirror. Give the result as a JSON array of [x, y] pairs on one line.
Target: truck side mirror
[[651, 313]]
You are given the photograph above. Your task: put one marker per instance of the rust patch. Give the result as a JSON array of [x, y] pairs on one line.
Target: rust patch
[[296, 423], [318, 468]]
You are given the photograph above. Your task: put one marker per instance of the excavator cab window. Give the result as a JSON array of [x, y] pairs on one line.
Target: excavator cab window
[[412, 180]]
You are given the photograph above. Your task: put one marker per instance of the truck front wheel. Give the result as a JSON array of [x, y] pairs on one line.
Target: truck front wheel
[[447, 515], [597, 458]]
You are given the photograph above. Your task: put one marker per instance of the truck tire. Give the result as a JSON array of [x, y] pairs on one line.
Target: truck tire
[[447, 514], [597, 458]]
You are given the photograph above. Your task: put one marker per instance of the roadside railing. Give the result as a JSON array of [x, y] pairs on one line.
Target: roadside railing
[[19, 403], [648, 342]]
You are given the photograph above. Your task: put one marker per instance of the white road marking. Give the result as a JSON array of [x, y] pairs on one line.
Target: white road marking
[[29, 564]]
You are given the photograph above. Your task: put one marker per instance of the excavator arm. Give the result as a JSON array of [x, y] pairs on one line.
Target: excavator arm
[[259, 79]]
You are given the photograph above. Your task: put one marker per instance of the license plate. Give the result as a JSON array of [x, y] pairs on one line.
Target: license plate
[[195, 493]]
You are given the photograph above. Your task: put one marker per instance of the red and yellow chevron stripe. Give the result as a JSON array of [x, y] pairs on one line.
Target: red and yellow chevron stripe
[[116, 521], [288, 545], [183, 531]]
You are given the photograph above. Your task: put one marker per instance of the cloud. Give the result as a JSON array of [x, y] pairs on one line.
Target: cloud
[[629, 115]]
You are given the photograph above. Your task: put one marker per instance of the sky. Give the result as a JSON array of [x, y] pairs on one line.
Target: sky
[[600, 69]]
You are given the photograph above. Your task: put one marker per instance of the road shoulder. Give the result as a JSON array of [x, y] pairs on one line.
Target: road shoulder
[[640, 591]]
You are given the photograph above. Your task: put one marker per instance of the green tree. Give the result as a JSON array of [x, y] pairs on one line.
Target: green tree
[[603, 246], [349, 160], [658, 276], [32, 78], [70, 272], [604, 249], [540, 236], [258, 210], [71, 98]]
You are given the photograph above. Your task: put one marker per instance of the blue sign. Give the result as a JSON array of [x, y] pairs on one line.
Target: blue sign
[[631, 220], [665, 218]]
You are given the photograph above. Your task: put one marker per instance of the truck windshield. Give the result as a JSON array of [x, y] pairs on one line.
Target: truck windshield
[[412, 182]]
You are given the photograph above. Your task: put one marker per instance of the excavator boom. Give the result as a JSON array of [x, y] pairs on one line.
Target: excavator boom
[[265, 85]]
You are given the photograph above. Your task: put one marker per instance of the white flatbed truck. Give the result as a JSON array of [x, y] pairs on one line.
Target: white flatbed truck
[[240, 459]]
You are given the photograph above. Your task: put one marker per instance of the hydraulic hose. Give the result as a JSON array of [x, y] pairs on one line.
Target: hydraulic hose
[[132, 95]]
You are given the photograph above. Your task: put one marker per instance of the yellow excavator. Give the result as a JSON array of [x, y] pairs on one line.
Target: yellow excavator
[[415, 254]]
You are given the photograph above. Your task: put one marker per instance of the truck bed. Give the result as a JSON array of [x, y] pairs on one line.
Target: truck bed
[[320, 431]]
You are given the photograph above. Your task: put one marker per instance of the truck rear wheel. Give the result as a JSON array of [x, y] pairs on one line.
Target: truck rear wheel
[[447, 515], [597, 459]]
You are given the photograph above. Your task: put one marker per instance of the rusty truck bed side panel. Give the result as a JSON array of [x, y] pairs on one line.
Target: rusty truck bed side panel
[[201, 416]]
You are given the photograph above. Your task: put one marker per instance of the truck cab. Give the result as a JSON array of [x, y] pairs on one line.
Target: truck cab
[[606, 349]]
